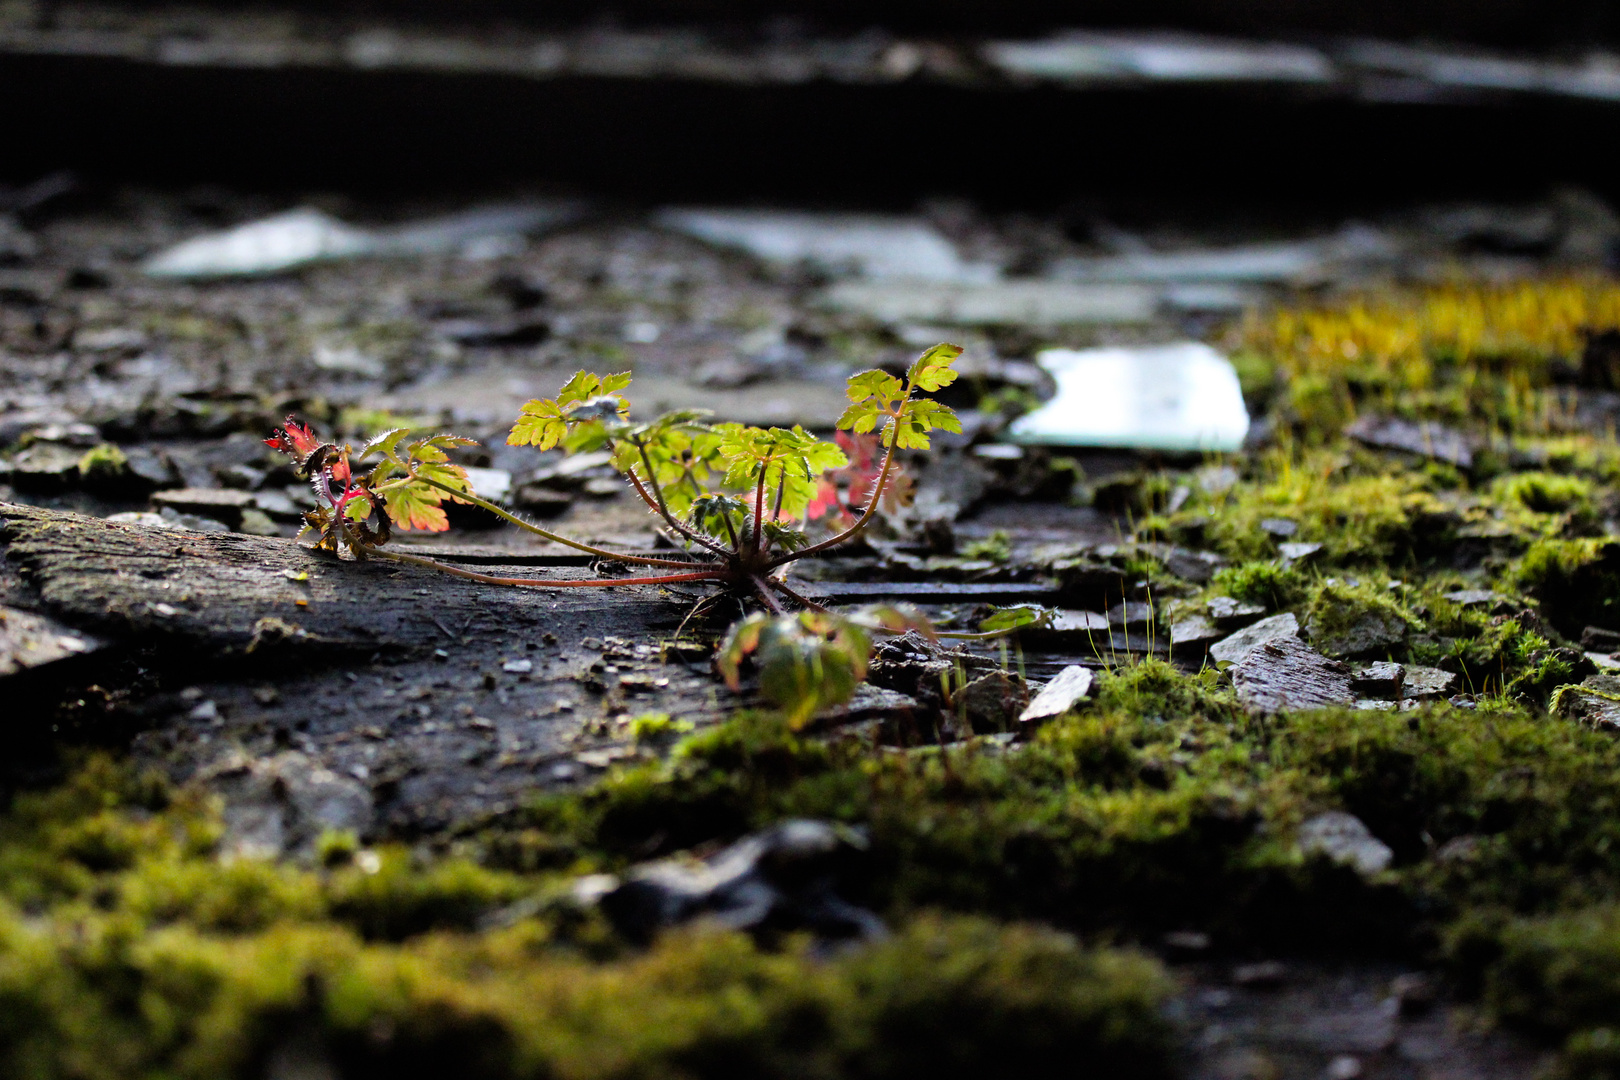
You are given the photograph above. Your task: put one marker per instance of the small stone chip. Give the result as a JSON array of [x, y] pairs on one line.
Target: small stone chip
[[1344, 839], [1233, 649], [1382, 679], [1073, 684], [1285, 674], [518, 667]]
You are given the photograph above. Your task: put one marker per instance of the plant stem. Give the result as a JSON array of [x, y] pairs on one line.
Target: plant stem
[[538, 583], [554, 537], [662, 509], [853, 530], [782, 588], [761, 587], [759, 509]]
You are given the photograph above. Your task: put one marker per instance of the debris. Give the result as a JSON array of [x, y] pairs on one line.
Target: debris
[[1197, 567], [43, 467], [284, 803], [1300, 262], [1280, 528], [990, 703], [305, 236], [492, 484], [1285, 673], [1131, 615], [1365, 633], [1263, 975], [1193, 632], [1167, 397], [1415, 992], [1343, 838], [1599, 639], [1000, 303], [1428, 682], [1383, 679], [1297, 552], [1088, 57], [869, 245], [1426, 439], [1235, 648], [780, 878], [29, 640], [1229, 613], [1072, 685], [219, 504]]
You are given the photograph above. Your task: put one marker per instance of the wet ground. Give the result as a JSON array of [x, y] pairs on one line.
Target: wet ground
[[417, 708]]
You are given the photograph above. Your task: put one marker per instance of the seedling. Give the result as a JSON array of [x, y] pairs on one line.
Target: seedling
[[734, 496]]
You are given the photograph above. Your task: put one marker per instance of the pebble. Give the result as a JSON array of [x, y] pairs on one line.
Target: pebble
[[1345, 839], [518, 667], [1233, 649], [1281, 528], [1072, 685], [1382, 679]]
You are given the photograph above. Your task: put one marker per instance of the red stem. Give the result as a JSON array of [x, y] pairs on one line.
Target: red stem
[[853, 530], [538, 583], [782, 588], [659, 509]]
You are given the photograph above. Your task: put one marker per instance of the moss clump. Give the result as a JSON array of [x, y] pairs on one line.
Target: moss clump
[[1458, 352], [129, 947], [1361, 620], [103, 465], [1576, 581], [1267, 583], [1363, 510]]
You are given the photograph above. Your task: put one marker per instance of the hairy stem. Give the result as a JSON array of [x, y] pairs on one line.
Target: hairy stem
[[505, 515], [855, 529], [658, 507], [539, 583], [764, 590], [759, 509], [782, 588]]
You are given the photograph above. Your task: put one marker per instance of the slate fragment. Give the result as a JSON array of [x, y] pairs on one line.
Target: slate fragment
[[1426, 439], [1369, 632], [1072, 685], [1595, 701], [1383, 679], [1344, 839], [1427, 682], [779, 879], [1285, 673], [1229, 614], [29, 640], [1234, 648], [991, 703]]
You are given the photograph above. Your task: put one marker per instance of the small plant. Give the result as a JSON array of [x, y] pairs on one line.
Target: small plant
[[734, 496]]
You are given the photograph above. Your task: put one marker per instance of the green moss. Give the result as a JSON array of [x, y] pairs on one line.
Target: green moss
[[997, 547], [1263, 582], [1576, 581], [1357, 620], [102, 464]]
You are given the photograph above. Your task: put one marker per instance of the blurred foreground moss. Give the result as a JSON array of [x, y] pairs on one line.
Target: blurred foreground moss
[[129, 947]]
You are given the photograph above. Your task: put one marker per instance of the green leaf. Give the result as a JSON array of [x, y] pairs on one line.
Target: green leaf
[[932, 369], [807, 662], [541, 424], [920, 417], [875, 383], [1018, 615], [861, 417], [584, 385], [385, 442]]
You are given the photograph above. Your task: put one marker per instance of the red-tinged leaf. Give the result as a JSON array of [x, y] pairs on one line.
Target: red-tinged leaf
[[416, 506], [293, 438]]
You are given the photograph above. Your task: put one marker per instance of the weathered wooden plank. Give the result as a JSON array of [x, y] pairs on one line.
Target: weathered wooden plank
[[235, 593]]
